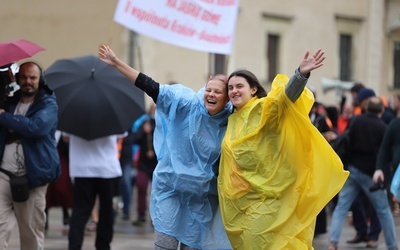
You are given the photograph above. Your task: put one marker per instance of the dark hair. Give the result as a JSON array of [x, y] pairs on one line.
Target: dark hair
[[41, 78], [357, 87], [375, 105], [42, 82], [252, 80]]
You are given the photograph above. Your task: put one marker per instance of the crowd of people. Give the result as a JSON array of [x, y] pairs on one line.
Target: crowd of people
[[371, 158], [230, 166], [246, 181]]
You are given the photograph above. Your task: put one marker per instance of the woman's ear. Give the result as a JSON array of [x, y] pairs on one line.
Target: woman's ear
[[253, 91]]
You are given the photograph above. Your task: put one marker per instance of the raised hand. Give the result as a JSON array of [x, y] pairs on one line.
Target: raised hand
[[107, 55], [310, 63]]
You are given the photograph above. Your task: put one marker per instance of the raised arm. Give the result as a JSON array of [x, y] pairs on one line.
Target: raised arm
[[140, 80], [299, 80], [108, 56]]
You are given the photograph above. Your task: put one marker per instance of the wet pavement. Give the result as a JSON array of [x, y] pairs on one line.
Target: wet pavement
[[321, 242], [128, 236]]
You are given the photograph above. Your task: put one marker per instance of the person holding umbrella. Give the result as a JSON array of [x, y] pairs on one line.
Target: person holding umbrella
[[28, 124], [189, 129], [95, 170]]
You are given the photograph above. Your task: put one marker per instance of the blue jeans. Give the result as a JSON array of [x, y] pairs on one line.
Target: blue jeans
[[362, 209], [126, 187], [361, 182]]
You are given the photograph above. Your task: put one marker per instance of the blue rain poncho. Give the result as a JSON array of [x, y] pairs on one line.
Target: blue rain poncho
[[276, 172], [184, 200], [395, 184]]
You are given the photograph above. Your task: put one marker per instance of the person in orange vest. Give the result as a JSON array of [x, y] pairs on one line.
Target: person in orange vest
[[344, 118]]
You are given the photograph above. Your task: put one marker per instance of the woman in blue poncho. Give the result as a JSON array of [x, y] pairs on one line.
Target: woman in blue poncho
[[189, 129]]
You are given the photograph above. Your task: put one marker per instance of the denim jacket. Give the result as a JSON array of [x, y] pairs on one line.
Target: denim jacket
[[36, 131]]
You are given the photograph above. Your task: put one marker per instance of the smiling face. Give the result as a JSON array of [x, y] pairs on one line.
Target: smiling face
[[239, 91], [215, 95]]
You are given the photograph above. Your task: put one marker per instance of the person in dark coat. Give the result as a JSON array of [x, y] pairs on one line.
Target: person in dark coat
[[389, 152], [146, 164]]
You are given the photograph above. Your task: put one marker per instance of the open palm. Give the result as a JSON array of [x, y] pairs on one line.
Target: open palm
[[107, 55], [310, 63]]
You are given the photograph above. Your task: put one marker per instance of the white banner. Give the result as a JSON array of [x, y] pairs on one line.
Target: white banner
[[205, 25]]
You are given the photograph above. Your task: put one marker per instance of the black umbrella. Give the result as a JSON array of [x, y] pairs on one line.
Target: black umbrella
[[94, 99]]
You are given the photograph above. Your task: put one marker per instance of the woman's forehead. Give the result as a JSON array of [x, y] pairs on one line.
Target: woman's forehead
[[216, 83], [237, 80]]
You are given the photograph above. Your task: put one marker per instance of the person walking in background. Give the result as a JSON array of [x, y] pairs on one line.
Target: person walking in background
[[146, 163], [365, 136], [59, 192], [190, 126], [27, 144], [277, 171], [127, 180], [95, 169], [389, 152], [129, 162], [365, 219], [324, 125]]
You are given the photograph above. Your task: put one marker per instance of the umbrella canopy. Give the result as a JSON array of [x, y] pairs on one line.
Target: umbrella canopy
[[94, 99], [16, 50]]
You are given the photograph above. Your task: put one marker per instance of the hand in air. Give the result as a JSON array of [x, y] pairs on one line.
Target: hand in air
[[310, 63], [107, 55]]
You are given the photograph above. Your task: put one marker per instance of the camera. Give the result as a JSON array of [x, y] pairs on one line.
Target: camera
[[377, 186], [8, 84]]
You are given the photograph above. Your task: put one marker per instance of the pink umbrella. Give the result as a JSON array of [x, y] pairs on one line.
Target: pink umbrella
[[13, 51]]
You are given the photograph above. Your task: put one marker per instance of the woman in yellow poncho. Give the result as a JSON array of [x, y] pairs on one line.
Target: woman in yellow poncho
[[277, 171]]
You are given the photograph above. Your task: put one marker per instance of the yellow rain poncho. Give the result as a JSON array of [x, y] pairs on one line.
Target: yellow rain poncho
[[277, 172]]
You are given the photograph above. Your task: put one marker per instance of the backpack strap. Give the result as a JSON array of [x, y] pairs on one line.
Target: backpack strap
[[7, 172]]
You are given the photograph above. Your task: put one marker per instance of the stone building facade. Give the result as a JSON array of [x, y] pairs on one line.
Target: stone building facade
[[361, 39]]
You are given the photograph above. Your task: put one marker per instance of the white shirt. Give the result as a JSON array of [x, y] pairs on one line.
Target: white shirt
[[95, 158]]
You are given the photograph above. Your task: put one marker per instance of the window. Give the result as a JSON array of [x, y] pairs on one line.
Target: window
[[220, 64], [272, 56], [217, 64], [396, 65], [345, 55]]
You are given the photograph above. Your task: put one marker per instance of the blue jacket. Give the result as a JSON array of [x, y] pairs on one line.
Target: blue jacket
[[37, 133]]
